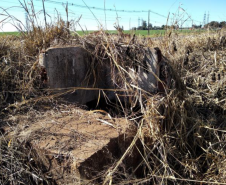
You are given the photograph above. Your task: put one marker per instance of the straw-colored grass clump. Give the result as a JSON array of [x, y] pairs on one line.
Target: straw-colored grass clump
[[182, 132]]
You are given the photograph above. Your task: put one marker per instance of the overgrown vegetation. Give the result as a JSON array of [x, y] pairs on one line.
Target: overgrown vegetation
[[182, 133]]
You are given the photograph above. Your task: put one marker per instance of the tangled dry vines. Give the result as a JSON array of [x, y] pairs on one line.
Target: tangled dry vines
[[182, 133]]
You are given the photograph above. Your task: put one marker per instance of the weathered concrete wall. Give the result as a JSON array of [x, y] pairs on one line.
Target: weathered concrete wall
[[65, 65], [73, 67], [147, 75], [70, 67]]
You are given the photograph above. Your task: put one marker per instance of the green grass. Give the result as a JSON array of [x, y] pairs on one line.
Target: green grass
[[153, 33], [10, 33], [137, 32]]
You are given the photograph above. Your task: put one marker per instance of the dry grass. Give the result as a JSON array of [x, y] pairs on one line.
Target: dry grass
[[182, 133]]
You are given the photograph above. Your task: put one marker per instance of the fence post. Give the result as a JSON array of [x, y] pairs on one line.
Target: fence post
[[148, 22]]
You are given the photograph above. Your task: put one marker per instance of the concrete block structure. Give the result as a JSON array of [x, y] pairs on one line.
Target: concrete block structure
[[73, 67]]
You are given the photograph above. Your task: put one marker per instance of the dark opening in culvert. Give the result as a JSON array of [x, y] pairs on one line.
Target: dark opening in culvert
[[114, 107]]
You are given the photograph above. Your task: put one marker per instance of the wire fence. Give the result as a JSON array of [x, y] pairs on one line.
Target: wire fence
[[93, 17]]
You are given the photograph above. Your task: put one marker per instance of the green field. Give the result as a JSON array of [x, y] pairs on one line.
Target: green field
[[137, 32], [153, 33], [10, 33]]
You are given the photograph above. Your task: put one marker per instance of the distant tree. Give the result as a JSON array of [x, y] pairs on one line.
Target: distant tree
[[164, 27], [215, 24], [144, 25], [212, 24], [196, 26], [222, 24], [140, 27], [150, 26]]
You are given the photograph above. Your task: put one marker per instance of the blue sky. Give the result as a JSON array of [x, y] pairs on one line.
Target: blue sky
[[190, 10]]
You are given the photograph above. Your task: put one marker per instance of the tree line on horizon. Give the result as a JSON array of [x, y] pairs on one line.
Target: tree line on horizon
[[215, 24], [212, 24]]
